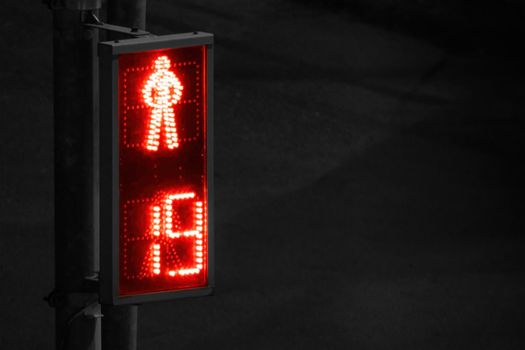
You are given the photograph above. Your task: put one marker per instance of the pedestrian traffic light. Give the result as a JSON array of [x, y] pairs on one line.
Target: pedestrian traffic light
[[156, 169]]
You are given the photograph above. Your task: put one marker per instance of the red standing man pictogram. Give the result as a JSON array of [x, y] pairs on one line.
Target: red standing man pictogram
[[162, 90]]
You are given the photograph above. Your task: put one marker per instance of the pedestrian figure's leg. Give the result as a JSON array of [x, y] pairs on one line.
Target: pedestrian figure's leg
[[155, 121], [170, 128]]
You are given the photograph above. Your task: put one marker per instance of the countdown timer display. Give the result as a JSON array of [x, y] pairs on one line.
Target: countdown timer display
[[156, 239]]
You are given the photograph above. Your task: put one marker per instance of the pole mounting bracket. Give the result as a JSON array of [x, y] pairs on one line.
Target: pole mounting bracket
[[94, 22]]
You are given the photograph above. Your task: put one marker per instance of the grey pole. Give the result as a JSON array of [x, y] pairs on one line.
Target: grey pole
[[76, 254], [119, 325]]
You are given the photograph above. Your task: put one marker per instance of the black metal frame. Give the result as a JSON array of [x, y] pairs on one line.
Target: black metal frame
[[109, 163]]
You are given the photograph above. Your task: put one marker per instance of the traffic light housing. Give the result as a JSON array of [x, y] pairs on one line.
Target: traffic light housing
[[156, 168]]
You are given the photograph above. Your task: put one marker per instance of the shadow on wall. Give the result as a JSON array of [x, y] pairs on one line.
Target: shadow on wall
[[458, 25]]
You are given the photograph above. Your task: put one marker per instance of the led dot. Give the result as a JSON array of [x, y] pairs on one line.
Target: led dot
[[156, 94]]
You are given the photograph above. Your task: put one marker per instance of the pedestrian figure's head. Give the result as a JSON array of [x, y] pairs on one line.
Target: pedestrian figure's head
[[162, 63]]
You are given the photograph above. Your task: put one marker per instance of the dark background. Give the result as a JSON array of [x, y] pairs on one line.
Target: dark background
[[369, 176]]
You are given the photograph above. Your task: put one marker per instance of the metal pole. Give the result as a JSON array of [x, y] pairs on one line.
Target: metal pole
[[76, 302], [119, 326]]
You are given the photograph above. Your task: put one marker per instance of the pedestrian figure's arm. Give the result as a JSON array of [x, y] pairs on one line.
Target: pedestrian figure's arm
[[175, 88], [147, 91]]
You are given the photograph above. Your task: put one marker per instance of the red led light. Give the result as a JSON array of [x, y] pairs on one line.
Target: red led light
[[166, 226], [163, 236], [161, 92]]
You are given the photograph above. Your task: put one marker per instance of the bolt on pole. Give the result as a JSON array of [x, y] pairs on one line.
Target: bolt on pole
[[76, 251]]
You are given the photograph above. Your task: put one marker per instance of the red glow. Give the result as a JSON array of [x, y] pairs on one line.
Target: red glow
[[162, 171], [166, 228], [161, 92]]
